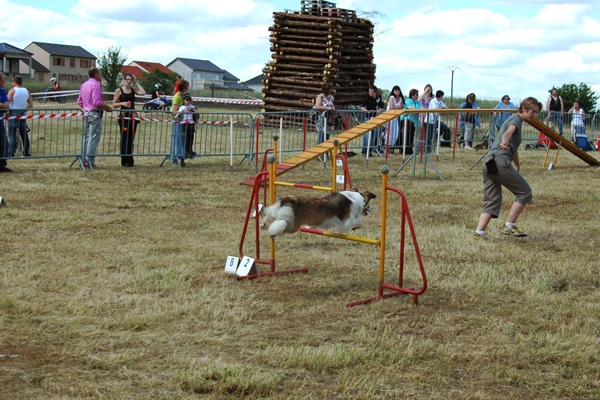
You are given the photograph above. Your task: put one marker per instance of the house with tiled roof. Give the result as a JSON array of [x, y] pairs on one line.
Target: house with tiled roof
[[204, 74], [137, 68], [256, 83], [40, 72], [232, 82], [12, 57], [150, 66], [65, 62]]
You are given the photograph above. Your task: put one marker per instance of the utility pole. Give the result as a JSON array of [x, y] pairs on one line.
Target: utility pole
[[452, 68]]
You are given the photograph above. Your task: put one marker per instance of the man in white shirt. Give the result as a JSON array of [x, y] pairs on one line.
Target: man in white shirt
[[19, 98], [432, 118]]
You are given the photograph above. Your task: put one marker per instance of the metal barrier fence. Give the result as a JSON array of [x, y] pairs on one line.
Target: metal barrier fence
[[43, 133], [214, 134], [58, 132], [301, 130]]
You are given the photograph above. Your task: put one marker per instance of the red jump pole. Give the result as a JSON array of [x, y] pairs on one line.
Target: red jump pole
[[396, 290]]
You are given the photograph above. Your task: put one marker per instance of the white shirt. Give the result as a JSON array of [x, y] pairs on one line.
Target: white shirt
[[433, 117], [188, 117], [20, 98], [577, 118]]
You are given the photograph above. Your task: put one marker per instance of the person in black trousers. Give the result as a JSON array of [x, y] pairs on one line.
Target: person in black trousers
[[125, 98]]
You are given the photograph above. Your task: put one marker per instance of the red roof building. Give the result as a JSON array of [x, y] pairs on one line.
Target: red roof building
[[137, 68]]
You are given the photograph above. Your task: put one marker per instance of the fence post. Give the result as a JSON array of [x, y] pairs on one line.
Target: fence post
[[231, 144], [83, 142]]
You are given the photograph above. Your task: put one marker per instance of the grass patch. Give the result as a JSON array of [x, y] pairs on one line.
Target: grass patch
[[113, 281]]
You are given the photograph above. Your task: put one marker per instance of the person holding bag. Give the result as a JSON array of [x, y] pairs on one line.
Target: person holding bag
[[502, 155]]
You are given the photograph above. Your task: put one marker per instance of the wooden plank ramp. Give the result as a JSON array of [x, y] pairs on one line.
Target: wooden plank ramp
[[564, 143], [327, 146]]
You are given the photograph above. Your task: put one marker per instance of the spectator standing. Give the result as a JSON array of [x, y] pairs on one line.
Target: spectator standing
[[432, 118], [19, 98], [578, 121], [503, 153], [178, 131], [324, 104], [374, 107], [92, 102], [426, 97], [187, 112], [395, 102], [176, 88], [4, 104], [556, 107], [501, 117], [125, 98], [468, 121], [414, 120]]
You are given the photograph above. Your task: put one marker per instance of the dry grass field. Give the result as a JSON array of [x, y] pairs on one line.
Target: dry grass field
[[112, 286]]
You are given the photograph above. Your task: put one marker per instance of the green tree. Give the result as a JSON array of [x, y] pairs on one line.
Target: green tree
[[149, 79], [582, 92], [110, 65]]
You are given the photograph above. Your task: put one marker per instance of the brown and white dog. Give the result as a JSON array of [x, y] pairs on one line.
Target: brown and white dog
[[339, 212]]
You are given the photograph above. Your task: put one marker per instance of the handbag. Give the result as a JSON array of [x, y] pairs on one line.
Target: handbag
[[490, 165]]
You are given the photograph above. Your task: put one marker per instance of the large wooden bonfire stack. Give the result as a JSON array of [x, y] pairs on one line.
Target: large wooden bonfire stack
[[318, 44]]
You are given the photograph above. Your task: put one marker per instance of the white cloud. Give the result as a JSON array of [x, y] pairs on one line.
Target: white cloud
[[466, 24], [559, 16], [498, 52]]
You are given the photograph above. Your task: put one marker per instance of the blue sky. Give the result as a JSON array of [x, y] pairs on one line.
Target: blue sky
[[501, 47]]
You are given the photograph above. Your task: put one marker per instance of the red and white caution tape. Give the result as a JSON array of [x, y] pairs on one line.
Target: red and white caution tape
[[43, 116], [228, 101], [181, 122]]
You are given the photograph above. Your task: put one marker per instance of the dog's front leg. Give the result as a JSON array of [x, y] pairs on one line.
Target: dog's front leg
[[357, 223]]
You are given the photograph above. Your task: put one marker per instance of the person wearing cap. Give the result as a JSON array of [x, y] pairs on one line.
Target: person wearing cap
[[125, 98], [188, 111]]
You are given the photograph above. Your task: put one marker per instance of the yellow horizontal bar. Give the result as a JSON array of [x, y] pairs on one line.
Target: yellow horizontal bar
[[353, 238], [312, 187]]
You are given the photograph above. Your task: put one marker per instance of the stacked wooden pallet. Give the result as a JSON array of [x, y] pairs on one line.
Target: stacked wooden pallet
[[308, 50]]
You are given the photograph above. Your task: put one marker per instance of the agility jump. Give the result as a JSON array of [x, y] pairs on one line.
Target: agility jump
[[270, 176]]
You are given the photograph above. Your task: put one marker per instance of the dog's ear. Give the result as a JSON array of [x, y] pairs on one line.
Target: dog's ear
[[354, 189], [368, 196]]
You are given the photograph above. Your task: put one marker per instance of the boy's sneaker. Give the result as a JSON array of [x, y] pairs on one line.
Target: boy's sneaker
[[513, 231], [482, 237]]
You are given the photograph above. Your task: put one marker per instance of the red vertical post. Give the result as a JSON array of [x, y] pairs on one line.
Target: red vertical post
[[304, 135], [346, 145], [402, 236]]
